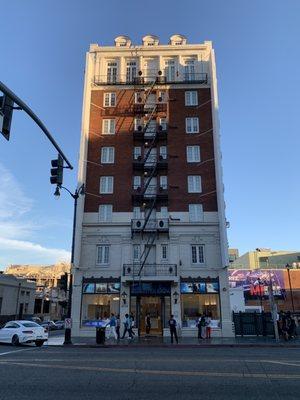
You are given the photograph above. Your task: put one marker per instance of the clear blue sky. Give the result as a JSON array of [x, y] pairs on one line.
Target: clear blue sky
[[42, 56]]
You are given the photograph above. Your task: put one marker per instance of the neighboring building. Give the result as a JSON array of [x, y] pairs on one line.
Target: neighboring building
[[151, 230], [233, 254], [16, 298], [267, 258], [254, 284], [51, 287]]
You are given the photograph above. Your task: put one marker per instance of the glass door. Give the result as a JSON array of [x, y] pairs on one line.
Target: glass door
[[152, 306]]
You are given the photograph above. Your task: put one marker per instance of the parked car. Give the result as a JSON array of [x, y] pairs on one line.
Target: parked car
[[17, 332], [60, 324], [49, 325]]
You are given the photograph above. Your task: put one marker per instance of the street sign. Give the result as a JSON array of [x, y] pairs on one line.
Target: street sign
[[68, 323]]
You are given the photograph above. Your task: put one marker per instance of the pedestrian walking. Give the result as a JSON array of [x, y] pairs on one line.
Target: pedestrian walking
[[148, 323], [113, 324], [126, 324], [202, 326], [118, 326], [173, 329], [131, 318], [208, 326], [198, 325]]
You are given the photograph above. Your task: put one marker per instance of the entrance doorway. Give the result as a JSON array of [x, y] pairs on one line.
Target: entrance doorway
[[153, 306]]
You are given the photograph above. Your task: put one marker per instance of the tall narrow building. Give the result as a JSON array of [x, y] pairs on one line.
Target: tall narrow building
[[151, 230]]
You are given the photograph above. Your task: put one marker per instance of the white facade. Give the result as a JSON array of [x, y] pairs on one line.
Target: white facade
[[195, 250]]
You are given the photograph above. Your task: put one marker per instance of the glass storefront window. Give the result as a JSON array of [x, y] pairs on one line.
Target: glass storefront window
[[99, 306], [192, 305]]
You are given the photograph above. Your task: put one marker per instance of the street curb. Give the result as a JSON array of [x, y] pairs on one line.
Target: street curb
[[187, 346]]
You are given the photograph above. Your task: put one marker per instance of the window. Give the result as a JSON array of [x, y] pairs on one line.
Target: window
[[196, 212], [198, 254], [105, 212], [136, 252], [164, 213], [108, 155], [164, 252], [109, 100], [194, 184], [162, 97], [138, 124], [138, 97], [163, 123], [136, 212], [170, 70], [191, 98], [192, 125], [106, 184], [109, 127], [137, 182], [130, 71], [102, 254], [163, 182], [189, 70], [112, 70], [193, 153], [137, 152], [163, 152]]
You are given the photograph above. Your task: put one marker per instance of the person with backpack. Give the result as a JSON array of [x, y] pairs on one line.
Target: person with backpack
[[173, 329]]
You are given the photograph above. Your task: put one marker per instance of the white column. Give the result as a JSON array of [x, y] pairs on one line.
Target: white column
[[76, 303]]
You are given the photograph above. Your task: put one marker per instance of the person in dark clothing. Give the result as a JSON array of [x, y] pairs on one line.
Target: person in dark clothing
[[148, 323], [127, 327], [199, 327], [118, 327], [173, 329]]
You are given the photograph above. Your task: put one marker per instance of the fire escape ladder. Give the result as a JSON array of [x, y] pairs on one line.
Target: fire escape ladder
[[146, 251], [149, 213]]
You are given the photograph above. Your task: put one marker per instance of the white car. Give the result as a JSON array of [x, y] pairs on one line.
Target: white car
[[17, 332]]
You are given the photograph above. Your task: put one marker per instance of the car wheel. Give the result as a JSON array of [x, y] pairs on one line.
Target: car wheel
[[39, 343], [15, 340]]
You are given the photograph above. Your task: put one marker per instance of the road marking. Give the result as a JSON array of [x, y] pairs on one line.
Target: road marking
[[158, 372], [15, 351], [282, 363]]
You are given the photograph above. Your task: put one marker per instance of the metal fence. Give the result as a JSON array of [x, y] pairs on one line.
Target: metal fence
[[253, 324]]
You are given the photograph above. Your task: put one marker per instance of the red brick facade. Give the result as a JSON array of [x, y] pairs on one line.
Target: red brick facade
[[123, 142]]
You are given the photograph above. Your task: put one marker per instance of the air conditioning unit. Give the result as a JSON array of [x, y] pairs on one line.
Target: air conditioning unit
[[137, 224], [162, 224]]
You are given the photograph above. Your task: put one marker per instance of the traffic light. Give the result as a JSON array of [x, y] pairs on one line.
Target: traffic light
[[6, 112], [57, 170]]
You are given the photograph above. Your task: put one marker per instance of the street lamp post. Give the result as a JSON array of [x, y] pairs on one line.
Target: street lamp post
[[78, 192], [288, 267]]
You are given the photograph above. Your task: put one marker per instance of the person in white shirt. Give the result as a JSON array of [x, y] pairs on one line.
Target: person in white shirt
[[208, 325]]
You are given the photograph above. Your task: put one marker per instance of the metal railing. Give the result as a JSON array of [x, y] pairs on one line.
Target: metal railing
[[150, 270], [144, 79], [160, 162]]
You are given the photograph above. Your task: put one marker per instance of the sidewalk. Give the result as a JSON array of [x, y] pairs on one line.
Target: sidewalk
[[250, 341]]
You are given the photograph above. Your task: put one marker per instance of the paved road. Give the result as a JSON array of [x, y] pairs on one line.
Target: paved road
[[153, 373]]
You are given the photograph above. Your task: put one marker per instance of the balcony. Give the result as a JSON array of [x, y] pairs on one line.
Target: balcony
[[160, 163], [142, 109], [148, 79], [153, 191], [150, 270], [152, 225], [160, 131]]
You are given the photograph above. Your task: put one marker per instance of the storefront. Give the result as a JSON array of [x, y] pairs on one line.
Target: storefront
[[100, 298], [153, 298], [199, 297]]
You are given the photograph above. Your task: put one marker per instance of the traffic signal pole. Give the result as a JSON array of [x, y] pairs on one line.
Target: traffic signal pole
[[23, 106]]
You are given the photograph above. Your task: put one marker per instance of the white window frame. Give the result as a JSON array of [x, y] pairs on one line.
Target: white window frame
[[109, 99], [137, 182], [163, 182], [108, 126], [137, 152], [197, 254], [192, 125], [163, 95], [136, 252], [194, 184], [164, 252], [191, 98], [107, 155], [164, 212], [163, 123], [103, 258], [163, 152], [193, 154], [105, 212], [196, 213], [136, 123], [111, 71], [136, 213], [106, 184]]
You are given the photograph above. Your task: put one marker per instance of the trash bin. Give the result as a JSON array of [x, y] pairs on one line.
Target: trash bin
[[100, 335]]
